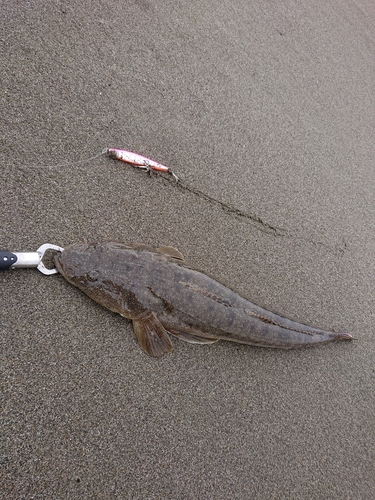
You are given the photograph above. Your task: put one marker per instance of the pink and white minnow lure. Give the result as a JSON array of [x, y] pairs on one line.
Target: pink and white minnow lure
[[138, 160]]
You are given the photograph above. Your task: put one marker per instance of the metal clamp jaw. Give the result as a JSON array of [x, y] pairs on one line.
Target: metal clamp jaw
[[15, 260]]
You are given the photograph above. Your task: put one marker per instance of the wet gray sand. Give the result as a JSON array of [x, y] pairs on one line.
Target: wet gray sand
[[266, 107]]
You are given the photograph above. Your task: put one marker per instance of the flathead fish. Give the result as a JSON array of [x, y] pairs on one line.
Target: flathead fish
[[162, 295]]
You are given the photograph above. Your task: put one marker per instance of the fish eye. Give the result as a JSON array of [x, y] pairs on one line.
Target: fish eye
[[93, 275]]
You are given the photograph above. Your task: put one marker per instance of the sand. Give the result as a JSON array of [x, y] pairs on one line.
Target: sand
[[268, 107]]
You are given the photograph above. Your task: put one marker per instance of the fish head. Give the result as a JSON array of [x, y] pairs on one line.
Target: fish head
[[77, 262], [80, 264], [94, 269]]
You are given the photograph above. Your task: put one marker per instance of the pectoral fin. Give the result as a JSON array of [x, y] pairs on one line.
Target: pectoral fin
[[171, 252], [151, 335]]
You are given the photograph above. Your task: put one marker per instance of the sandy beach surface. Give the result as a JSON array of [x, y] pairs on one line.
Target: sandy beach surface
[[267, 107]]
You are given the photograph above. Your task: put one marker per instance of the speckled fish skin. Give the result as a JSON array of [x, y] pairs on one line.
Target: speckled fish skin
[[162, 295]]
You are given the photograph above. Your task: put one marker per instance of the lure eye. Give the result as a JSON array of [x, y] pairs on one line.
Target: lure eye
[[93, 275]]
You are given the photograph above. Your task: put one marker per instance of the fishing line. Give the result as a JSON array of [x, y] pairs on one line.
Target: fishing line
[[168, 175], [230, 209], [149, 165], [79, 162]]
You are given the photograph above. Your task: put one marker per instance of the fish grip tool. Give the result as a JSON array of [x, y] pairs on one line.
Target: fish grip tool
[[15, 260]]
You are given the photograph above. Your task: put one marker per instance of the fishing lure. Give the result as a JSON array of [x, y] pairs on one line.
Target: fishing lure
[[138, 161]]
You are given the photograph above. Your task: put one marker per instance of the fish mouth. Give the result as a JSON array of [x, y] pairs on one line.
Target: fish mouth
[[58, 264]]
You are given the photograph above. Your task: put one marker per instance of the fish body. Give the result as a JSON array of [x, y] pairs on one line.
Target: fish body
[[162, 295]]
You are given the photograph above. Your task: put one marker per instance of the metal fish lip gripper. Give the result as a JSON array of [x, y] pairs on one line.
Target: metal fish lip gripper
[[15, 260]]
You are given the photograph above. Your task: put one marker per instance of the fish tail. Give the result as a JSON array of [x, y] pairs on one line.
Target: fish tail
[[344, 336]]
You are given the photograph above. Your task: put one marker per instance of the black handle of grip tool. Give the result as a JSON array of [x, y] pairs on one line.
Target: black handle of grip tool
[[7, 259]]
